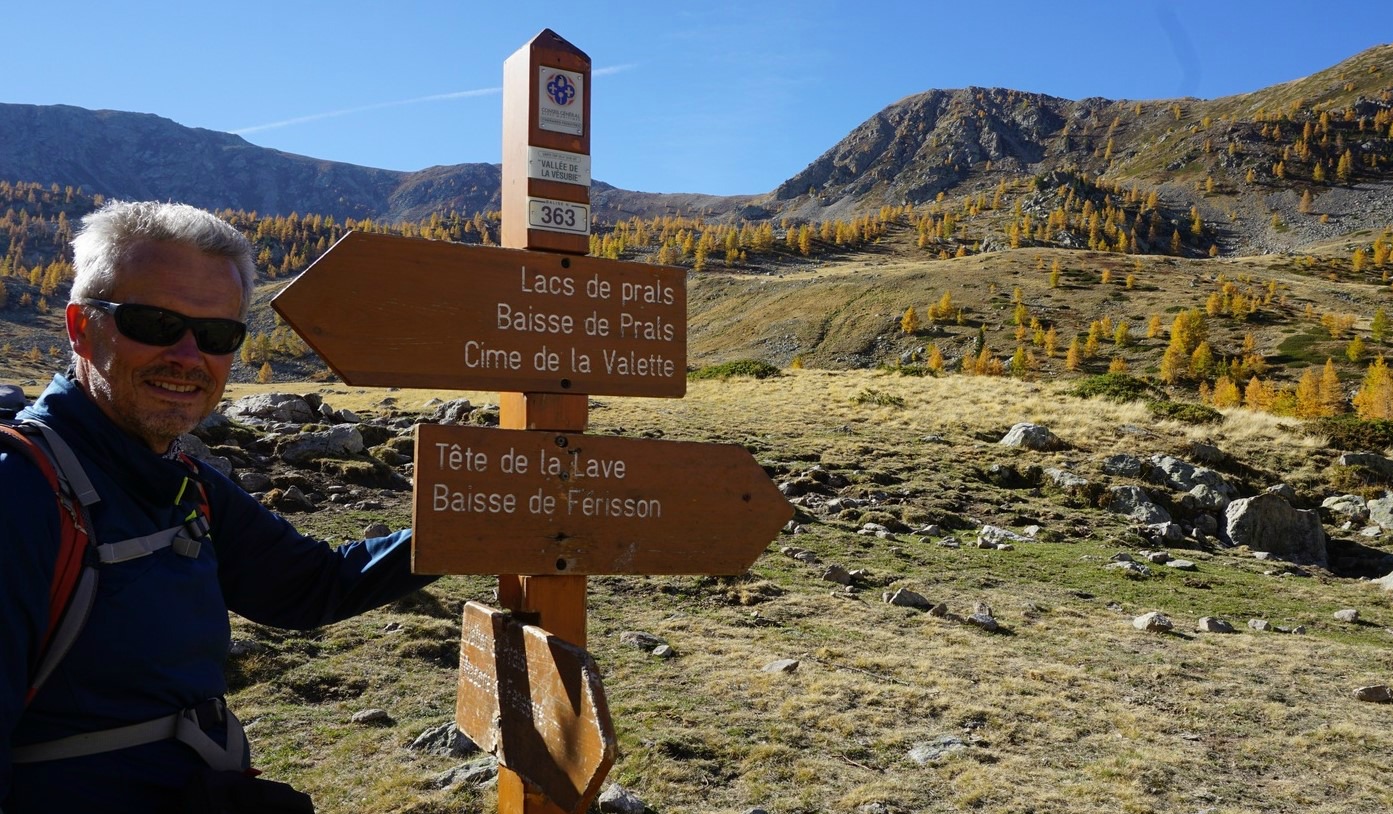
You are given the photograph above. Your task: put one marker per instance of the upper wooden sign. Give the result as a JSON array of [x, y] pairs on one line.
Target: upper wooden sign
[[546, 147], [491, 501], [387, 311]]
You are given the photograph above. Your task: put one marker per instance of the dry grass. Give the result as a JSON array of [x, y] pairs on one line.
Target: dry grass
[[1068, 710]]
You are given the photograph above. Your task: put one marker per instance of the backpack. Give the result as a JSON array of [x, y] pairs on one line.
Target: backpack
[[74, 586]]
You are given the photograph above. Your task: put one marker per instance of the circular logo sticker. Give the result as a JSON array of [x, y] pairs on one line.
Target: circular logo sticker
[[561, 90]]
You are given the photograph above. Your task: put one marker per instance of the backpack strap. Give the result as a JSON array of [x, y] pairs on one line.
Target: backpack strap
[[74, 585]]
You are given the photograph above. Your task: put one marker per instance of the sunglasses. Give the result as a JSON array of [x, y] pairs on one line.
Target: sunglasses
[[150, 325]]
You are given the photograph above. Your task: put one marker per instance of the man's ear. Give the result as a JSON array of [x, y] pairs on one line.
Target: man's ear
[[79, 328]]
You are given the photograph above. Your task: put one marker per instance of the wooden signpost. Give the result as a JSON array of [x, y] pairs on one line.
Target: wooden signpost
[[537, 501]]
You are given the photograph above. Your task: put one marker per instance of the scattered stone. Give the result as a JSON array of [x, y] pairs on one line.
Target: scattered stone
[[1207, 497], [996, 534], [1368, 460], [1125, 466], [940, 610], [376, 530], [1131, 570], [982, 618], [1381, 511], [281, 408], [252, 482], [1376, 694], [641, 640], [372, 717], [906, 598], [781, 666], [1153, 622], [1181, 565], [1282, 490], [1031, 436], [618, 800], [664, 651], [477, 773], [336, 442], [1134, 502], [1346, 507], [1210, 624], [244, 647], [801, 554], [936, 749], [1260, 625], [1350, 615], [1066, 480], [950, 542], [837, 574], [444, 740], [1156, 557]]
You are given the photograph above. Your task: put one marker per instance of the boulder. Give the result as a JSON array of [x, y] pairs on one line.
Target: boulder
[[1268, 523], [1032, 436], [1134, 502]]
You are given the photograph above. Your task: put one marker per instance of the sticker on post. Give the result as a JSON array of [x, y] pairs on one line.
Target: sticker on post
[[561, 98], [558, 165], [558, 216]]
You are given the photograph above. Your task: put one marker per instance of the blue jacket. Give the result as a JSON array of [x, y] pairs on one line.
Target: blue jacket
[[159, 632]]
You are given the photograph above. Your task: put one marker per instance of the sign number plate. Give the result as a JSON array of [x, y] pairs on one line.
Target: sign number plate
[[558, 216]]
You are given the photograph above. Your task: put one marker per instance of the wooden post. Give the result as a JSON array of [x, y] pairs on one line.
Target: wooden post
[[546, 205]]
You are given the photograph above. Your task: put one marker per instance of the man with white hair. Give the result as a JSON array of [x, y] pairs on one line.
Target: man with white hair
[[131, 717]]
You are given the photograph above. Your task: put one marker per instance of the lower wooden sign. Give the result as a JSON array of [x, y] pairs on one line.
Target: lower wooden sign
[[536, 703], [493, 501]]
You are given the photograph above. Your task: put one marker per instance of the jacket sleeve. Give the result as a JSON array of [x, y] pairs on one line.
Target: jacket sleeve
[[273, 575], [29, 536]]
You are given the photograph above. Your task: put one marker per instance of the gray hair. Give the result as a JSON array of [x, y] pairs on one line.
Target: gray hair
[[109, 233]]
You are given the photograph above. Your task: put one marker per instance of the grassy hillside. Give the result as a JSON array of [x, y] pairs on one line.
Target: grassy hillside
[[1065, 708]]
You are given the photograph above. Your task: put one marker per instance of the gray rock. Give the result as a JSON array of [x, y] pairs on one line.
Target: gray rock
[[1066, 480], [445, 740], [376, 530], [996, 535], [372, 717], [1283, 491], [1381, 511], [837, 574], [906, 598], [1182, 565], [1368, 460], [1132, 570], [781, 666], [641, 640], [1124, 466], [254, 481], [664, 651], [616, 799], [1184, 476], [335, 442], [1268, 523], [1031, 436], [476, 773], [281, 408], [1210, 624], [1345, 507], [1209, 498], [1350, 615], [1260, 625], [1377, 694], [936, 749], [1135, 502], [1153, 622]]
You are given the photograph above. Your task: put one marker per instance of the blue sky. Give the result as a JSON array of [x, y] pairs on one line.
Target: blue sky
[[708, 96]]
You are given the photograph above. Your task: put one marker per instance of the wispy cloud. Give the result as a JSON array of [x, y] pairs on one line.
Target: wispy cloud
[[439, 97], [314, 117]]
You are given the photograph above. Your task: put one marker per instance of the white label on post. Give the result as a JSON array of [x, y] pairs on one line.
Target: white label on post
[[558, 165], [558, 216]]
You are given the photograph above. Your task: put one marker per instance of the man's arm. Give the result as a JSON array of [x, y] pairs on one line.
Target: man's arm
[[273, 575]]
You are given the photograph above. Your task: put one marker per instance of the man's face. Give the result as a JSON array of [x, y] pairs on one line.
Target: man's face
[[157, 393]]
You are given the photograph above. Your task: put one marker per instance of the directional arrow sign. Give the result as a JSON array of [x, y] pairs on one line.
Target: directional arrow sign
[[404, 312], [537, 704], [491, 501]]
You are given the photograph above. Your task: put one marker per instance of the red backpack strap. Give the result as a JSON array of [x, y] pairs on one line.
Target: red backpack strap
[[73, 539]]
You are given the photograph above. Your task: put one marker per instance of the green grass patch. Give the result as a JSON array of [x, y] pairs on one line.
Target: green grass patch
[[1186, 412], [1352, 433], [752, 368], [880, 399], [1302, 347], [1118, 387]]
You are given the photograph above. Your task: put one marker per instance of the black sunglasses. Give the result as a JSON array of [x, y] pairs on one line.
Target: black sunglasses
[[150, 325]]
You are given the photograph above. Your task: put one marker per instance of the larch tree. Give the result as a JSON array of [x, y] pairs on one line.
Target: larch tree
[[909, 323]]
